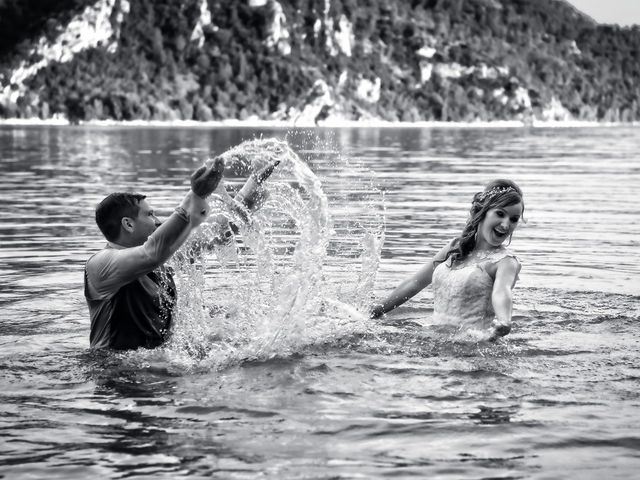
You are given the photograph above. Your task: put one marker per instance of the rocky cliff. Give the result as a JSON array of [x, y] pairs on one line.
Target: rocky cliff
[[294, 60]]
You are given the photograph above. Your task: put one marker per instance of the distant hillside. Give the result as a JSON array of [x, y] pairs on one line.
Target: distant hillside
[[300, 60]]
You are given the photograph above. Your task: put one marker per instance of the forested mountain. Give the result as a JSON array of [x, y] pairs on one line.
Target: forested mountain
[[409, 60]]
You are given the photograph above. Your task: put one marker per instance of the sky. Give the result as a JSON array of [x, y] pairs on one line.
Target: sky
[[622, 12]]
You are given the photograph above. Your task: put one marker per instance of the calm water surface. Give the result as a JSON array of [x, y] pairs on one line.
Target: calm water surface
[[558, 398]]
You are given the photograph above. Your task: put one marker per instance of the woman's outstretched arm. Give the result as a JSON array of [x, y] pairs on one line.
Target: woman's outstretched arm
[[409, 287]]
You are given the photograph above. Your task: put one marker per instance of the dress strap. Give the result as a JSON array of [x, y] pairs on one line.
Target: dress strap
[[501, 254]]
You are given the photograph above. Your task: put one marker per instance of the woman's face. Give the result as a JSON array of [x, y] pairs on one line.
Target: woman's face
[[498, 225]]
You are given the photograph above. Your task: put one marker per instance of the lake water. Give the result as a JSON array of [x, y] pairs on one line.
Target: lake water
[[282, 378]]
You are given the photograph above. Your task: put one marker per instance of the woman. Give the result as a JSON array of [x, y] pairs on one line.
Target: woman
[[474, 274]]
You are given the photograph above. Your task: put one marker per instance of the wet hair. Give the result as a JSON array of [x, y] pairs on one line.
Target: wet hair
[[498, 193], [113, 208]]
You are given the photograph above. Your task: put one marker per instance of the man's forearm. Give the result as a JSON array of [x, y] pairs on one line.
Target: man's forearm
[[168, 238]]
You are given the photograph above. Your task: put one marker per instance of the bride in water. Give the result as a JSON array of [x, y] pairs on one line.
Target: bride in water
[[473, 275]]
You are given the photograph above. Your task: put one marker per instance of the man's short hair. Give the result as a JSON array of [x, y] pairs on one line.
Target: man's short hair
[[113, 208]]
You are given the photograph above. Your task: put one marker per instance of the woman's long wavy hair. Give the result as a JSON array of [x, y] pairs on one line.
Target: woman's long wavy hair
[[482, 202]]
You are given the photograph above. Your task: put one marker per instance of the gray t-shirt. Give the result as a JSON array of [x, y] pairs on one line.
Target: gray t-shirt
[[129, 293]]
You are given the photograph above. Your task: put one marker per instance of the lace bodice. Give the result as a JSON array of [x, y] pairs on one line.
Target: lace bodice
[[462, 292]]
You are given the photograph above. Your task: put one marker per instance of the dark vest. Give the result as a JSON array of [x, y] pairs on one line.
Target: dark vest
[[138, 315]]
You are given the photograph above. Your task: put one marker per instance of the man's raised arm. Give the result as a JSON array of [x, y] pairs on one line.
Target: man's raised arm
[[114, 268]]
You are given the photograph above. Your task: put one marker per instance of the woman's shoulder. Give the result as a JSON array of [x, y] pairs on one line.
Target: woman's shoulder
[[443, 253]]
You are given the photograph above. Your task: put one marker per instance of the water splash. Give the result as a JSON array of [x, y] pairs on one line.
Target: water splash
[[274, 290]]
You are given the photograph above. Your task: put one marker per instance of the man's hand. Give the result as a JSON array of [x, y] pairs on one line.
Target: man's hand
[[205, 179], [253, 195], [266, 171]]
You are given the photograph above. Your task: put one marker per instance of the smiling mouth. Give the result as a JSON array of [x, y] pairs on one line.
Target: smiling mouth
[[499, 233]]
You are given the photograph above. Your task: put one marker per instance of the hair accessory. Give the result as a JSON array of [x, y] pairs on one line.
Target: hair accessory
[[494, 192]]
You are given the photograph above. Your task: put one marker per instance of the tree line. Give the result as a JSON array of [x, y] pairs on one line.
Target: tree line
[[549, 49]]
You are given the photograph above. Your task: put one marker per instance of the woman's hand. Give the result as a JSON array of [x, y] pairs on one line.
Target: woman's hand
[[499, 329], [376, 311]]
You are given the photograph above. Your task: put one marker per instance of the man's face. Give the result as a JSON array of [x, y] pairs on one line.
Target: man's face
[[144, 224]]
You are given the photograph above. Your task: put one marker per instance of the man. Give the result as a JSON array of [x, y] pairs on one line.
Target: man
[[129, 291]]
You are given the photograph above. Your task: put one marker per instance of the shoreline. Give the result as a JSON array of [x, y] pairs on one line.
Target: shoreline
[[281, 124]]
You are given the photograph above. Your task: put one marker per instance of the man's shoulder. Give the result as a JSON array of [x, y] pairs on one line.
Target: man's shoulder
[[98, 270], [101, 265], [99, 258]]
